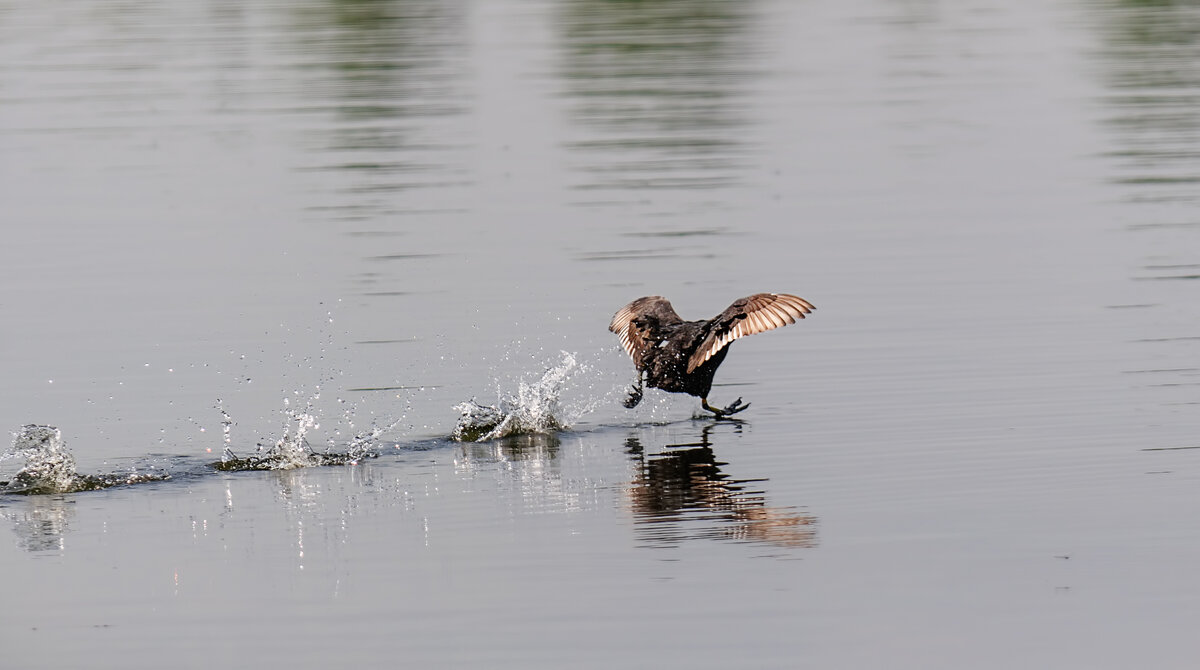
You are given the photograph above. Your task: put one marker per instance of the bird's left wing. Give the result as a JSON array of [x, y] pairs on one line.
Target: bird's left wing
[[631, 323], [750, 315]]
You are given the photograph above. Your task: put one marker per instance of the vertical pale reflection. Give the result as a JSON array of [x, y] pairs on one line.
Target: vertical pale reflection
[[40, 522], [656, 92], [527, 465]]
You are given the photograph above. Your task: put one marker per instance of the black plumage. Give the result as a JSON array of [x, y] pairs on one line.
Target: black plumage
[[682, 356]]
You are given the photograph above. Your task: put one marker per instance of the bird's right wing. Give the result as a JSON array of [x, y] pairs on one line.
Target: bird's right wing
[[753, 314], [632, 324]]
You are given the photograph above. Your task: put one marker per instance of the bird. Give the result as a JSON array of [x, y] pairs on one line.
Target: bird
[[682, 356]]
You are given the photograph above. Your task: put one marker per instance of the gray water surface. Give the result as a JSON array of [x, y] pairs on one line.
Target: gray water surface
[[223, 220]]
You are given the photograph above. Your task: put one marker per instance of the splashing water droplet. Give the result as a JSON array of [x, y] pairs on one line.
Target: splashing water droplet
[[50, 468], [535, 408], [48, 465]]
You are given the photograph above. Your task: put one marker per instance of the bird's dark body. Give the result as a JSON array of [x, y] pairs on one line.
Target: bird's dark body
[[682, 356], [665, 365]]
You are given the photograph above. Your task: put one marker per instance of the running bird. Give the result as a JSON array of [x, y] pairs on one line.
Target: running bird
[[682, 356]]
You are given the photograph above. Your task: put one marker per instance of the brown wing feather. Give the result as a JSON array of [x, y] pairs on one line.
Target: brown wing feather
[[750, 315], [637, 339]]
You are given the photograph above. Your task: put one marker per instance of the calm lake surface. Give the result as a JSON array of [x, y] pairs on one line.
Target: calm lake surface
[[226, 224]]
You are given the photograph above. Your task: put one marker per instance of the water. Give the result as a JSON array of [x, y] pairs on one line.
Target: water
[[534, 409], [290, 232], [49, 468]]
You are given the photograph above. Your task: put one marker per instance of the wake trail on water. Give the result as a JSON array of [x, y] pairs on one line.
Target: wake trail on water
[[48, 466], [533, 405]]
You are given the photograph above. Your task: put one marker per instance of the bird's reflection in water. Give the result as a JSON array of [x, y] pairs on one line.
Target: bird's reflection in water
[[682, 494], [40, 522]]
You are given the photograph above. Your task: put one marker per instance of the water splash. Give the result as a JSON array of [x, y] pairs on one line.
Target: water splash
[[363, 443], [226, 427], [292, 450], [534, 409], [50, 467], [288, 452]]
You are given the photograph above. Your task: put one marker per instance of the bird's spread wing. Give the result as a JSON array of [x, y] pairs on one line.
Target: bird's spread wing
[[633, 323], [753, 314]]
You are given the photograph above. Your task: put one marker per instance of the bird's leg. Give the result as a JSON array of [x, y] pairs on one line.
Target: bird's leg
[[635, 394], [733, 408]]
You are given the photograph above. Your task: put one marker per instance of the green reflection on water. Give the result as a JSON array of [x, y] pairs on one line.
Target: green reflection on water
[[1150, 60], [657, 86]]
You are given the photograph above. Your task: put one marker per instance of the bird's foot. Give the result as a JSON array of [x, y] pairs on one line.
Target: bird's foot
[[635, 397], [733, 408]]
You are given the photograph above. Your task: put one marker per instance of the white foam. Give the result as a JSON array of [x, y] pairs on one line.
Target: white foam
[[534, 408], [48, 465]]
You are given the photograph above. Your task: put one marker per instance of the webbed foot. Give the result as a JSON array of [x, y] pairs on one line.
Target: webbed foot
[[635, 397], [733, 408]]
